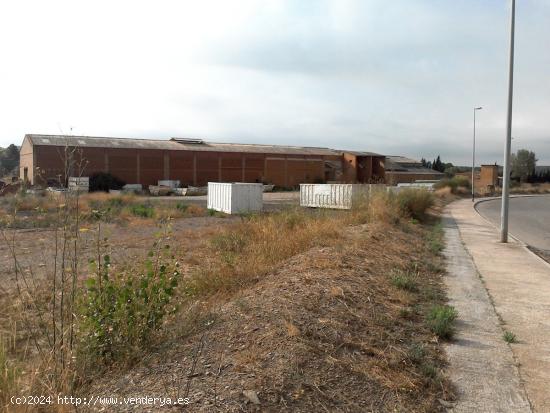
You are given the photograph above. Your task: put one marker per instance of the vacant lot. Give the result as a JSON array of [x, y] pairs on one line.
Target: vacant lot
[[297, 310]]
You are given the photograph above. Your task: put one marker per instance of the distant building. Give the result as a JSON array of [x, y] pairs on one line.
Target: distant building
[[400, 169], [51, 158], [486, 178]]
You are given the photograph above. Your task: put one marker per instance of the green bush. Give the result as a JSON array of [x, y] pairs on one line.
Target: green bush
[[120, 311], [440, 320], [415, 202], [103, 181], [144, 211]]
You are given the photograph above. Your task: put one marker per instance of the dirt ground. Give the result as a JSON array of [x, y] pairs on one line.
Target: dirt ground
[[272, 200], [35, 247], [325, 332]]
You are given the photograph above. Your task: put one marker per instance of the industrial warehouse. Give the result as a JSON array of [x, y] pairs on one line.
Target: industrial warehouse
[[51, 158]]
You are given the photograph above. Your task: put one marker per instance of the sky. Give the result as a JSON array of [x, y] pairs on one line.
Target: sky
[[396, 77]]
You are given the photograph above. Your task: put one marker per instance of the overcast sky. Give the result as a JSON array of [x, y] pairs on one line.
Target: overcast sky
[[397, 77]]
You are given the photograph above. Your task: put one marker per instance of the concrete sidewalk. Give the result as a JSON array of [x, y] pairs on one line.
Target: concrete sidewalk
[[482, 366], [518, 283]]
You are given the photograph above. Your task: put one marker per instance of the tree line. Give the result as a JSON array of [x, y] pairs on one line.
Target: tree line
[[523, 167], [9, 160]]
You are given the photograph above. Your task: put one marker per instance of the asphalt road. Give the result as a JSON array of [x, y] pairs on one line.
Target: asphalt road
[[529, 219]]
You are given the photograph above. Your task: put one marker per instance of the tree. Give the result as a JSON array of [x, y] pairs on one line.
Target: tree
[[438, 165], [9, 159], [523, 164]]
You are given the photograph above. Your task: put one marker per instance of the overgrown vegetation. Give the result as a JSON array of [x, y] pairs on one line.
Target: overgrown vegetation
[[255, 245], [118, 310], [458, 184], [34, 211], [415, 202], [121, 310]]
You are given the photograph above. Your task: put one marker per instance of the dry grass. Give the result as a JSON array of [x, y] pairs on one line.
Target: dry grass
[[324, 329], [31, 211], [251, 248], [531, 189], [247, 254]]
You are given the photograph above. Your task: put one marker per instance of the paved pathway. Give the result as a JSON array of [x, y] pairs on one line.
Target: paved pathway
[[518, 283], [482, 364]]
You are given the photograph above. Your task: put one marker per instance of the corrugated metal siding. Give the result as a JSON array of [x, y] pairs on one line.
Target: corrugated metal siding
[[335, 196], [235, 198]]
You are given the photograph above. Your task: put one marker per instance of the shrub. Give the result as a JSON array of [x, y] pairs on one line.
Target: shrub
[[454, 183], [415, 202], [440, 320], [103, 181], [381, 207], [120, 311], [144, 211]]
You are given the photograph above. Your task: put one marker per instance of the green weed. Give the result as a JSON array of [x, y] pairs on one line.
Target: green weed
[[509, 337], [404, 282], [121, 310], [144, 211], [440, 320]]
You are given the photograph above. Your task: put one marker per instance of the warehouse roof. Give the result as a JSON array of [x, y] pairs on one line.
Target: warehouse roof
[[402, 160], [361, 153], [404, 165], [174, 144]]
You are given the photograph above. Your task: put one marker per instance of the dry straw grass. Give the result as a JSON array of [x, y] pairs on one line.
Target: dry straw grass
[[255, 246], [235, 257]]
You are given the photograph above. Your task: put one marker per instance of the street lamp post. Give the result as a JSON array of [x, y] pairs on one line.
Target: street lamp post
[[508, 144], [474, 154]]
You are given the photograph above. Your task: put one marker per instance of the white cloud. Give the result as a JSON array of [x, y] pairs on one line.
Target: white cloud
[[396, 77]]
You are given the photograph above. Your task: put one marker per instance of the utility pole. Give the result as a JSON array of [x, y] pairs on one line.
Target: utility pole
[[474, 154], [506, 170]]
